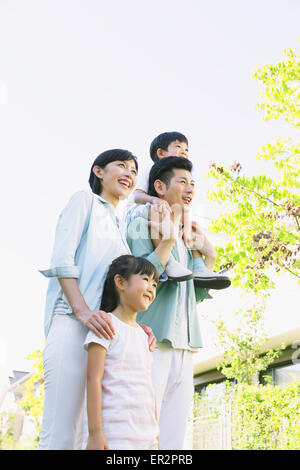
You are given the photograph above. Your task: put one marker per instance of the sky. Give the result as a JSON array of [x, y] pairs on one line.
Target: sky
[[79, 77]]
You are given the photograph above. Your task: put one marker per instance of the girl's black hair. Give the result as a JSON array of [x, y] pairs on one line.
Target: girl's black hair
[[104, 159], [125, 266], [163, 170], [162, 141]]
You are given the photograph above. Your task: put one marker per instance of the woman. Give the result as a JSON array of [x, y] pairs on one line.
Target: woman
[[86, 242]]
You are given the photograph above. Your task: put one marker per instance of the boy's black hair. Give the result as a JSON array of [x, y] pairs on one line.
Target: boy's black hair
[[125, 266], [104, 159], [162, 141], [163, 170]]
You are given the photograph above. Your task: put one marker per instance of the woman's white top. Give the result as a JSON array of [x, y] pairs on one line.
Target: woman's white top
[[87, 240]]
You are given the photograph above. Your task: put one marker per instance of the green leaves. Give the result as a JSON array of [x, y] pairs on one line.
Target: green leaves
[[260, 417], [280, 89], [32, 405], [263, 221], [266, 417], [242, 347], [262, 204], [33, 395]]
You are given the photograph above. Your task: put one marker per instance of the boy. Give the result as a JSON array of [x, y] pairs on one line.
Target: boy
[[172, 144]]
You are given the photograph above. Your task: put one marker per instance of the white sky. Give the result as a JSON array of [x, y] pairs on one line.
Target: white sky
[[79, 77]]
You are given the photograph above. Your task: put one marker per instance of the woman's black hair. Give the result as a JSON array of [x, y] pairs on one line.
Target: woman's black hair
[[162, 141], [104, 159], [163, 170], [125, 266]]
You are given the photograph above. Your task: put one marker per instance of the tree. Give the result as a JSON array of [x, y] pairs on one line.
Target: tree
[[33, 395], [281, 91], [243, 348], [263, 222], [7, 422]]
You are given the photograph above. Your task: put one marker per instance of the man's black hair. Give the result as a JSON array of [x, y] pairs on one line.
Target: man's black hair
[[125, 266], [104, 159], [163, 170], [162, 141]]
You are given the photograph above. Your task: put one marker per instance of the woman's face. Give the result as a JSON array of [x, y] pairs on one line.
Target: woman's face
[[118, 179]]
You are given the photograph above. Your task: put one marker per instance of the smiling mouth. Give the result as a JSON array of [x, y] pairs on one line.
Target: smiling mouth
[[125, 183], [147, 297], [187, 199]]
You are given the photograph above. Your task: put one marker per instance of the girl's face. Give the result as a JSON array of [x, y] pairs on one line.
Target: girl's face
[[139, 291], [118, 179]]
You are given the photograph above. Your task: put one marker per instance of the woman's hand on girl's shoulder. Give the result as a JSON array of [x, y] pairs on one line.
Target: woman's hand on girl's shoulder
[[97, 441], [98, 321], [151, 337]]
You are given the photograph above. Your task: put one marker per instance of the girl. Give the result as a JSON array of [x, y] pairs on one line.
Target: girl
[[87, 240], [120, 397]]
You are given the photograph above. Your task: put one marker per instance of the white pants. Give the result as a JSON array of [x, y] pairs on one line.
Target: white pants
[[172, 376], [65, 366]]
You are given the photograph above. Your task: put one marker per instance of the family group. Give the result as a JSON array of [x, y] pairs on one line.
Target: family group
[[121, 321]]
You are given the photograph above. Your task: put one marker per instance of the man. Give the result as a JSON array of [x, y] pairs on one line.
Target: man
[[173, 314]]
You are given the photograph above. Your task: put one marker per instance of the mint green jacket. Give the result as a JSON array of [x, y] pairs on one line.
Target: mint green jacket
[[162, 315]]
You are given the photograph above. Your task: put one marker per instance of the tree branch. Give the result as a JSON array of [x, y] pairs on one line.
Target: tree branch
[[254, 192], [292, 272], [265, 199]]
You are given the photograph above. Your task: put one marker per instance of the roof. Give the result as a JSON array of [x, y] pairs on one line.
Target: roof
[[287, 338], [17, 376]]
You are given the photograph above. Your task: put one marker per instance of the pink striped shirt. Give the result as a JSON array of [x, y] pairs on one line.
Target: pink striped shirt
[[128, 401]]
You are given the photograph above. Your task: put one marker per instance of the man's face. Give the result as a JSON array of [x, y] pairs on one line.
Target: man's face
[[175, 149], [180, 189]]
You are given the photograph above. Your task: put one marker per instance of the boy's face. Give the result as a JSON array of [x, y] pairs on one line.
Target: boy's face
[[175, 149]]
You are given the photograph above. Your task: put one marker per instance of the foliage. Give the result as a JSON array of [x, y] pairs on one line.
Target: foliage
[[263, 222], [210, 415], [32, 404], [209, 405], [242, 348], [7, 422], [33, 395], [266, 417], [262, 418], [8, 434], [281, 89], [259, 417]]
